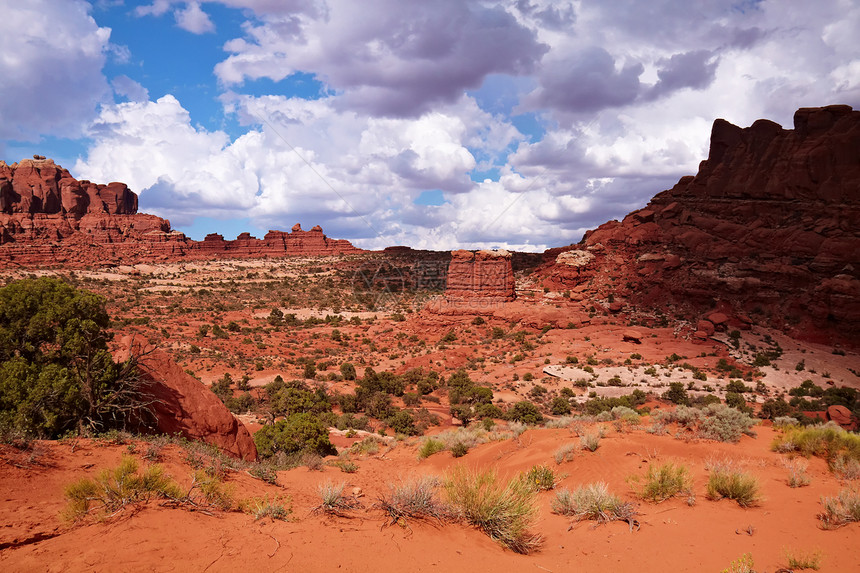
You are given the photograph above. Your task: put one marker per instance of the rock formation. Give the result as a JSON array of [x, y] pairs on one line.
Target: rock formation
[[767, 229], [185, 406], [47, 217], [482, 275]]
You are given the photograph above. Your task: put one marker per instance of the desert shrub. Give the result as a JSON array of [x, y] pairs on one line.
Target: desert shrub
[[114, 489], [525, 412], [677, 394], [459, 450], [560, 406], [803, 559], [845, 467], [347, 370], [784, 421], [733, 484], [598, 405], [840, 510], [539, 478], [413, 499], [592, 502], [263, 507], [346, 466], [590, 442], [797, 476], [605, 416], [564, 453], [661, 483], [827, 441], [402, 422], [333, 501], [774, 408], [56, 372], [297, 433], [429, 447], [369, 445], [625, 413], [504, 511], [724, 424], [743, 565], [264, 472]]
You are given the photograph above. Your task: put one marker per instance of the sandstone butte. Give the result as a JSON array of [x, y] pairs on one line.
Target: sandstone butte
[[49, 218], [768, 231], [484, 275]]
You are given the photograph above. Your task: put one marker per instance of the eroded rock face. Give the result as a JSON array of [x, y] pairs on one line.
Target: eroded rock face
[[483, 275], [767, 230], [48, 218], [184, 405]]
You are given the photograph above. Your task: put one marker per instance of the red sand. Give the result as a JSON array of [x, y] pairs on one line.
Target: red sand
[[673, 535]]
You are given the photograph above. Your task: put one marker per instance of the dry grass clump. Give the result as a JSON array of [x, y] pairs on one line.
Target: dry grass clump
[[593, 502], [334, 502], [797, 476], [661, 483], [729, 483], [461, 440], [504, 511], [413, 499], [263, 507], [840, 510], [590, 442], [115, 489], [565, 453], [798, 560]]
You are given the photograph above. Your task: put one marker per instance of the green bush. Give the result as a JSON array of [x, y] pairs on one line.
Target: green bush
[[56, 372], [525, 412], [560, 406], [429, 447], [827, 441], [297, 433], [539, 478]]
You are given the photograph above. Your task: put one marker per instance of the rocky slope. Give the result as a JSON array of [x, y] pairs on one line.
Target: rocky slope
[[767, 231], [47, 217]]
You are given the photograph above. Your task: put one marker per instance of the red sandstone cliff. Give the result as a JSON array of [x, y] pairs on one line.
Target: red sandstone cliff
[[47, 217], [769, 228]]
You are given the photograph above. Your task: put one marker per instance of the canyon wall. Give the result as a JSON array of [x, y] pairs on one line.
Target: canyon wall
[[767, 231]]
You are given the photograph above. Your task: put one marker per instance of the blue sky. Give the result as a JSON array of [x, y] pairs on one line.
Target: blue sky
[[445, 124]]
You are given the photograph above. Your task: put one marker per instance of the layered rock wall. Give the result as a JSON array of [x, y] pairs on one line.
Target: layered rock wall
[[768, 228], [47, 218], [484, 275]]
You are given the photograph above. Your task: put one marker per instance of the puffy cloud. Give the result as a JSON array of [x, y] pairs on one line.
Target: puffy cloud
[[388, 58], [620, 111], [127, 88], [193, 19], [51, 58]]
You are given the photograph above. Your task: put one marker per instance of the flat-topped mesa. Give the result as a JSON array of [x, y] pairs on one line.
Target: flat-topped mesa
[[481, 275], [767, 227], [47, 218]]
